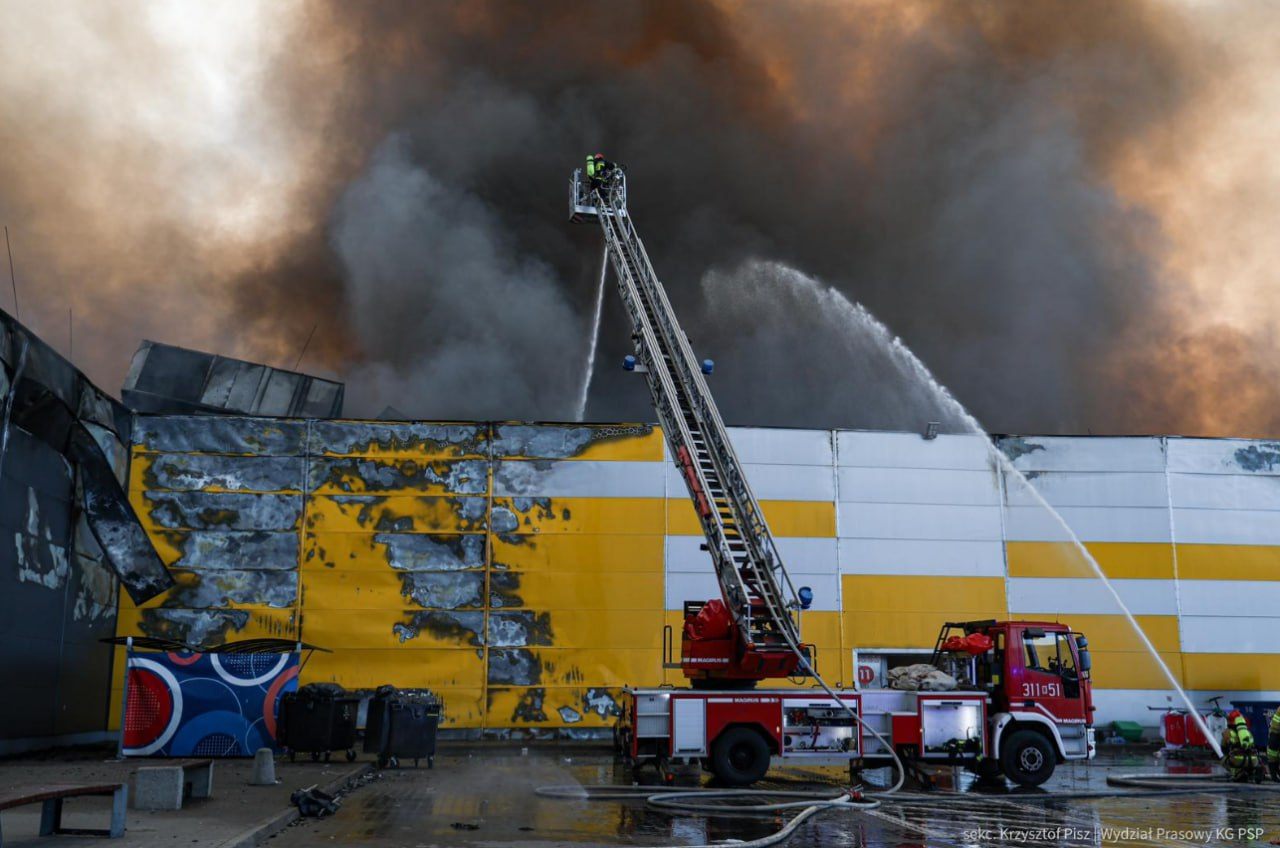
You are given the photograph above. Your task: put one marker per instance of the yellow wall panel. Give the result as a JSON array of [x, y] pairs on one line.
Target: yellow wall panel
[[391, 448], [624, 629], [1117, 560], [1228, 562], [628, 447], [409, 630], [785, 518], [599, 666], [1114, 633], [581, 553], [583, 591], [371, 668], [607, 516], [399, 513], [426, 477], [550, 706], [363, 590], [1231, 671], [1133, 669], [369, 551], [261, 623], [883, 611]]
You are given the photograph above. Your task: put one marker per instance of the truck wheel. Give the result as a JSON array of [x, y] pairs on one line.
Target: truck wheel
[[1027, 758], [739, 757]]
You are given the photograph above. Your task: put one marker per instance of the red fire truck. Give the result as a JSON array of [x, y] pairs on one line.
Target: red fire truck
[[1021, 701]]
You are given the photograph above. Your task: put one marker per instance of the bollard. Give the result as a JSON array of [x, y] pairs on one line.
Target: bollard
[[264, 768]]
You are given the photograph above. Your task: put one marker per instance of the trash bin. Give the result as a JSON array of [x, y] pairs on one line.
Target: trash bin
[[400, 725], [1258, 714], [319, 718]]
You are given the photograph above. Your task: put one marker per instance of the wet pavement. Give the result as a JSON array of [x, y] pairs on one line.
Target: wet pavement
[[486, 797]]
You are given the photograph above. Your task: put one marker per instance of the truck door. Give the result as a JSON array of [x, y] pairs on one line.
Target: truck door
[[1049, 681]]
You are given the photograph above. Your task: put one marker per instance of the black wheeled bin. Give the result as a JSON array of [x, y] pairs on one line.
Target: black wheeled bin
[[400, 725], [319, 718]]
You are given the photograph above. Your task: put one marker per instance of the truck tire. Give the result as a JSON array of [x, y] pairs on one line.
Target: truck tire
[[739, 756], [1027, 758]]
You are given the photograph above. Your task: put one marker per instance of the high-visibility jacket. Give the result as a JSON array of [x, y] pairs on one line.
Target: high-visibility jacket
[[1238, 733], [1273, 738], [591, 167]]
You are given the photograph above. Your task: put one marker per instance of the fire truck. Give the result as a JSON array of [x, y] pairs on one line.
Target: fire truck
[[1020, 702]]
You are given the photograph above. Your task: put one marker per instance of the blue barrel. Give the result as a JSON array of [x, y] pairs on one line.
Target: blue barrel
[[1258, 714]]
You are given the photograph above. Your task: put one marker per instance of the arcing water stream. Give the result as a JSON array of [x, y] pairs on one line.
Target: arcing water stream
[[590, 367], [863, 322]]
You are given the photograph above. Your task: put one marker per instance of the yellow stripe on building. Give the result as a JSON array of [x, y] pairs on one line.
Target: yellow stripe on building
[[1117, 559], [585, 552], [398, 513], [586, 592], [883, 611], [371, 668], [785, 518], [1228, 562], [605, 516], [550, 706], [1231, 671]]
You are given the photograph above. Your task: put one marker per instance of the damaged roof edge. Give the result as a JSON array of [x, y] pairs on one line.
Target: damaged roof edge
[[53, 401]]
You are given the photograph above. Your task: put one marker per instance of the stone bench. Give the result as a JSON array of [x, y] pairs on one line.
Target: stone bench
[[164, 787], [51, 795]]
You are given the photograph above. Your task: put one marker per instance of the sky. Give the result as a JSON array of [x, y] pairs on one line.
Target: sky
[[1067, 210]]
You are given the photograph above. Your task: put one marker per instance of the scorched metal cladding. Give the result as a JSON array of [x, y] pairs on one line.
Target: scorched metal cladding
[[455, 557], [68, 541]]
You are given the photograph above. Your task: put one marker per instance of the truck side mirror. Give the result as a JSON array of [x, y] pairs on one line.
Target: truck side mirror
[[1085, 661]]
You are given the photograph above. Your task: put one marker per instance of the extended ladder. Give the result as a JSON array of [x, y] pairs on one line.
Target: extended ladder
[[755, 585]]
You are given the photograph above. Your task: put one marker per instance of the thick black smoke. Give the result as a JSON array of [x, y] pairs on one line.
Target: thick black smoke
[[964, 170], [944, 164]]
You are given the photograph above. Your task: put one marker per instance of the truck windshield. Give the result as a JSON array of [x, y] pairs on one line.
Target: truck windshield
[[1051, 653]]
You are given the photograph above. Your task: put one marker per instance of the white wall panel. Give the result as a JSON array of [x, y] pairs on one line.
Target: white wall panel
[[1074, 488], [1089, 524], [686, 586], [805, 556], [922, 557], [1223, 491], [918, 521], [1207, 634], [1086, 596], [768, 445], [1075, 453], [775, 482], [910, 450], [918, 485], [1231, 597], [1226, 527], [1224, 456], [578, 478]]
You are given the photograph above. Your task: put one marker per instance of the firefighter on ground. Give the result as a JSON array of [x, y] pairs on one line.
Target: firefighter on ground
[[1273, 746], [1239, 754]]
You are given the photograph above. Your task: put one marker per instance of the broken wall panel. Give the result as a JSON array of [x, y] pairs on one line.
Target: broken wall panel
[[67, 538]]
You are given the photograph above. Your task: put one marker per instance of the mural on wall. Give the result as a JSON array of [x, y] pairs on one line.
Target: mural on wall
[[195, 704]]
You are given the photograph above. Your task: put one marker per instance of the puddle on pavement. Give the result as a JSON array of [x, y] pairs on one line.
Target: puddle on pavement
[[487, 798]]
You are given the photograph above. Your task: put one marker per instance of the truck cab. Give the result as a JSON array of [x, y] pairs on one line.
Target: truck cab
[[1036, 675]]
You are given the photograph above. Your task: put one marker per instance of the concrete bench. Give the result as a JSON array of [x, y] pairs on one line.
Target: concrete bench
[[164, 787], [52, 795]]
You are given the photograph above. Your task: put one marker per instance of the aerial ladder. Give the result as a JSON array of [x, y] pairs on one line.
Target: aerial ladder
[[751, 633]]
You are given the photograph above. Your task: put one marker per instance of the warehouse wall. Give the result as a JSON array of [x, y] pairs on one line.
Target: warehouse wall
[[525, 571]]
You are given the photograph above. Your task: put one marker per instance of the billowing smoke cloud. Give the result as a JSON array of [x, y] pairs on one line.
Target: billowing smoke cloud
[[452, 323], [1033, 195]]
